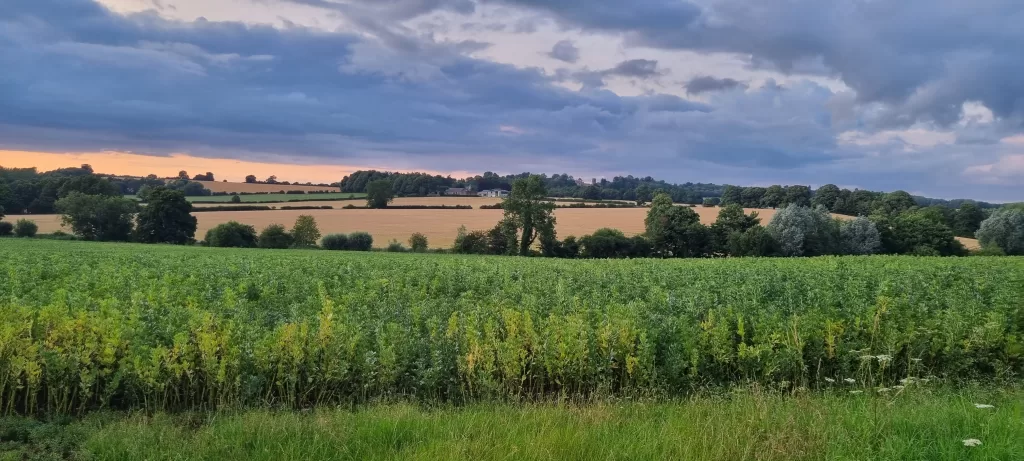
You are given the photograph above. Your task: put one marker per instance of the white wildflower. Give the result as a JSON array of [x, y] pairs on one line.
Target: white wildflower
[[906, 381], [983, 406], [829, 380], [883, 390], [850, 380], [971, 442], [866, 357], [884, 358], [898, 387], [856, 392]]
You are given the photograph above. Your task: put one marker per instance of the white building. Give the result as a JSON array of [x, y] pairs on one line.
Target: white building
[[493, 193]]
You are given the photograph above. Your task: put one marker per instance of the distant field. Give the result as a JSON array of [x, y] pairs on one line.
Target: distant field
[[246, 187], [279, 197], [472, 201], [440, 226]]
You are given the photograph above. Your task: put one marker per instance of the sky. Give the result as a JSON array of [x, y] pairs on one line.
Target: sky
[[916, 95]]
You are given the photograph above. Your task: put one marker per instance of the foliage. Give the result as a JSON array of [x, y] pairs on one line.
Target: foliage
[[98, 217], [236, 199], [711, 202], [232, 234], [418, 243], [732, 219], [395, 247], [475, 242], [1004, 230], [859, 237], [360, 241], [336, 242], [802, 231], [305, 232], [166, 218], [605, 243], [275, 236], [914, 232], [25, 228], [6, 229], [529, 212], [967, 220], [379, 193], [676, 232], [755, 241], [92, 326]]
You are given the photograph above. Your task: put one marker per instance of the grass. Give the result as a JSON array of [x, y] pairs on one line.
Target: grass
[[748, 425]]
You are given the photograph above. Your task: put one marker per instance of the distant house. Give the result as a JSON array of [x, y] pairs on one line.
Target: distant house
[[493, 193], [459, 191]]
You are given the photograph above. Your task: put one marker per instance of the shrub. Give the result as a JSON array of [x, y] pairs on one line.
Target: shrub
[[360, 241], [475, 242], [6, 229], [275, 236], [395, 247], [334, 242], [232, 234], [25, 228], [418, 243], [236, 199]]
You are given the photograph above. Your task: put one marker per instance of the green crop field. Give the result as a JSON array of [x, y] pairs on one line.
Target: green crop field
[[90, 326]]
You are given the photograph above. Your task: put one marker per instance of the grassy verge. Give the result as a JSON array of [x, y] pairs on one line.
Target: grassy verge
[[919, 425]]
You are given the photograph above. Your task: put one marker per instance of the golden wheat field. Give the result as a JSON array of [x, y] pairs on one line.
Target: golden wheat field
[[239, 187], [440, 226], [451, 201]]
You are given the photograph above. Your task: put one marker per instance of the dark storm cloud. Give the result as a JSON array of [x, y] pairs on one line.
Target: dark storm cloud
[[565, 51], [705, 84]]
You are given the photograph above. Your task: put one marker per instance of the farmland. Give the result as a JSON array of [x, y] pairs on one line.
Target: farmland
[[317, 198], [440, 226], [251, 188], [623, 359]]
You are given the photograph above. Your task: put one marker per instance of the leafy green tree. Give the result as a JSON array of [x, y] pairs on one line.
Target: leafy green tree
[[528, 211], [418, 243], [755, 241], [305, 232], [894, 203], [752, 196], [731, 219], [797, 195], [802, 231], [826, 196], [250, 179], [395, 247], [98, 217], [711, 202], [475, 242], [731, 195], [773, 196], [236, 199], [88, 185], [859, 237], [232, 234], [183, 175], [336, 242], [914, 232], [605, 244], [379, 193], [676, 232], [1003, 230], [6, 228], [166, 218], [643, 194], [275, 236], [967, 220]]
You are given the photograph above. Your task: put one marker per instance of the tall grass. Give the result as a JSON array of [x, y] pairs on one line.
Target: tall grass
[[86, 326]]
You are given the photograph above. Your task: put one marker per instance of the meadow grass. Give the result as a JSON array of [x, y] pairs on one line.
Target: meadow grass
[[748, 425]]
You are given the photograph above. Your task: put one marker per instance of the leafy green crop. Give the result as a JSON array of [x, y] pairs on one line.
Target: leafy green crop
[[89, 325]]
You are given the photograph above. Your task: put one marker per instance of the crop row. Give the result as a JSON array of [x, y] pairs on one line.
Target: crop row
[[89, 325]]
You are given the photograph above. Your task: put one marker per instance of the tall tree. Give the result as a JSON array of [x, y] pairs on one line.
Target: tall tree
[[773, 196], [166, 218], [676, 232], [798, 195], [183, 175], [967, 220], [528, 210], [98, 217], [379, 193], [1004, 230], [250, 179], [732, 194], [826, 196], [305, 232]]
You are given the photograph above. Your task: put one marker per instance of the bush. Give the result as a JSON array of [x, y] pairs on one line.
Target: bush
[[395, 247], [275, 236], [25, 228], [6, 229], [232, 234], [360, 241], [236, 199], [418, 243], [471, 243], [336, 242]]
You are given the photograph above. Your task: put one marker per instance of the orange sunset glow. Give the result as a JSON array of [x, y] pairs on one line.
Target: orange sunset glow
[[233, 170]]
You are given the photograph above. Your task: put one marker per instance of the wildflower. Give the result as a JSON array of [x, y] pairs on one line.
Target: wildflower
[[883, 390], [898, 387], [906, 381], [829, 380], [856, 392], [884, 358], [866, 357], [983, 406], [915, 360], [971, 442], [850, 380]]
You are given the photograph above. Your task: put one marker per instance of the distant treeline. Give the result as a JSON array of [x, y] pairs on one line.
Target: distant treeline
[[410, 207], [641, 190]]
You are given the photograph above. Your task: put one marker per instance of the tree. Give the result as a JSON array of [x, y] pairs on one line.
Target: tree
[[895, 203], [271, 180], [797, 195], [967, 220], [418, 243], [468, 243], [1003, 230], [6, 229], [360, 241], [732, 194], [183, 175], [913, 232], [826, 196], [236, 199], [275, 236], [88, 185], [166, 218], [395, 247], [711, 202], [529, 212], [305, 232], [859, 237], [98, 217], [802, 231], [755, 241], [676, 232], [773, 197], [232, 234], [605, 243], [250, 179], [379, 193], [731, 219], [643, 194]]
